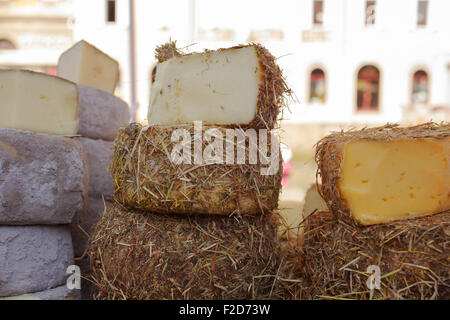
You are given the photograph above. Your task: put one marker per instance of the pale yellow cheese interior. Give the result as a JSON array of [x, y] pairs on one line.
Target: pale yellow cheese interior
[[313, 202], [218, 88], [387, 181], [291, 214], [86, 65], [38, 102]]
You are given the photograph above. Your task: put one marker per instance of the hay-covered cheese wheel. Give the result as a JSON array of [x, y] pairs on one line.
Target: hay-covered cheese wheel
[[144, 256], [239, 86], [386, 174], [56, 294], [145, 177], [409, 258]]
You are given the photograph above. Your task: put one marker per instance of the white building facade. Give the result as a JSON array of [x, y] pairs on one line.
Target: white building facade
[[347, 61]]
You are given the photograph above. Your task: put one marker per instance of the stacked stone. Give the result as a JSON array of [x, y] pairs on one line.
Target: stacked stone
[[43, 184], [101, 115], [53, 189]]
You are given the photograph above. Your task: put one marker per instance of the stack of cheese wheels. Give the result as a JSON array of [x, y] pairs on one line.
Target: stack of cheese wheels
[[101, 115], [43, 183], [194, 207], [385, 233]]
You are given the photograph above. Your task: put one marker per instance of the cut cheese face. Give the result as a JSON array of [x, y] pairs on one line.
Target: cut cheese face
[[387, 181], [291, 213], [216, 87], [313, 202], [86, 65], [38, 102]]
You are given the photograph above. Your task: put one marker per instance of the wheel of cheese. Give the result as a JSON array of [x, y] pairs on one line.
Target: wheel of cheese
[[99, 155], [33, 258], [84, 223], [385, 174], [233, 87], [85, 64], [146, 178], [101, 114], [38, 102], [43, 178], [59, 293]]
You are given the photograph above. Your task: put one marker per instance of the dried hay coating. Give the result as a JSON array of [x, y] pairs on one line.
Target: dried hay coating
[[167, 51], [145, 178], [329, 156], [139, 256], [413, 256], [273, 91]]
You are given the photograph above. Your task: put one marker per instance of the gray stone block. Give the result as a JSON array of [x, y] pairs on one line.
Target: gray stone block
[[101, 114], [43, 178], [84, 223], [33, 258], [59, 293], [99, 154]]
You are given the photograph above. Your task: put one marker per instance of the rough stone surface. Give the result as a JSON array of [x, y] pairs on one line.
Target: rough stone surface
[[83, 224], [99, 155], [43, 178], [88, 288], [33, 258], [101, 114], [59, 293]]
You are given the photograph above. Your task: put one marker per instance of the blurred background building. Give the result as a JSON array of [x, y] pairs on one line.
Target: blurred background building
[[350, 63]]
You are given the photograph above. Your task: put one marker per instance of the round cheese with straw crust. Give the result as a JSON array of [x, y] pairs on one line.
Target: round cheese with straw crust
[[146, 178], [386, 174]]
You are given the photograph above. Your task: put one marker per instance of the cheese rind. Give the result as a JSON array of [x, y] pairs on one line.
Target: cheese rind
[[99, 156], [85, 64], [388, 173], [142, 164], [388, 181], [84, 224], [55, 294], [33, 258], [38, 102], [216, 87], [43, 178], [101, 113]]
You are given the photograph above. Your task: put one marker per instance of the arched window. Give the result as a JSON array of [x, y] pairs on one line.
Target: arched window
[[368, 89], [420, 91], [317, 87], [5, 44]]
